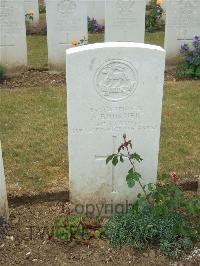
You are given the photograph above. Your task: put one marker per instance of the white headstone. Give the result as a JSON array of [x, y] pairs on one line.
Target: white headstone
[[13, 49], [66, 21], [32, 6], [3, 193], [125, 20], [182, 24], [112, 89], [96, 9]]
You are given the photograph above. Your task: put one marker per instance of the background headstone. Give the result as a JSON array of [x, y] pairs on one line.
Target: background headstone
[[3, 193], [66, 21], [125, 20], [182, 24], [32, 6], [96, 9], [112, 89], [13, 49]]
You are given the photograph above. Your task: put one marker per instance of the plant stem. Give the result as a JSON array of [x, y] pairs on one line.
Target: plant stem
[[133, 167]]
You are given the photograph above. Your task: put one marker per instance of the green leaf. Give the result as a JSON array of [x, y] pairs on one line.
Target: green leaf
[[136, 157], [109, 158], [121, 159], [130, 180], [136, 176], [130, 171], [151, 186], [115, 160], [132, 177]]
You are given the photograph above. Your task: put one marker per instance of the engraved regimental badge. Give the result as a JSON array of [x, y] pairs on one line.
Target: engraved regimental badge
[[125, 6], [116, 80], [66, 6]]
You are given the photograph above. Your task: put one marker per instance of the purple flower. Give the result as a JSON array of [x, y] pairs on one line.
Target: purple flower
[[184, 48], [196, 43], [196, 38], [190, 59]]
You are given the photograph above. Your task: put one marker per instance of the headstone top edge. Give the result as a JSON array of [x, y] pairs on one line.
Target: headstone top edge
[[113, 45]]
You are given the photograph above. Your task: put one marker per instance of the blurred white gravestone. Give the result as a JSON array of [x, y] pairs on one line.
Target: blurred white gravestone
[[125, 20], [3, 193], [182, 24], [96, 10], [32, 6], [112, 89], [13, 49], [66, 22]]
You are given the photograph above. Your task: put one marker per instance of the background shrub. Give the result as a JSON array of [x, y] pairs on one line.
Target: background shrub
[[94, 27], [2, 73], [153, 18], [190, 64], [42, 9], [39, 28]]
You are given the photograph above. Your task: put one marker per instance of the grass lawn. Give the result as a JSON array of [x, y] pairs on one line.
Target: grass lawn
[[33, 134], [37, 50], [37, 45]]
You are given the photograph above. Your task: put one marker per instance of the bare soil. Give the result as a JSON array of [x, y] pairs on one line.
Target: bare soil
[[29, 242], [41, 76], [34, 77]]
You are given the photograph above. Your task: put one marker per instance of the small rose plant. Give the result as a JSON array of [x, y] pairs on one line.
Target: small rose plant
[[165, 196]]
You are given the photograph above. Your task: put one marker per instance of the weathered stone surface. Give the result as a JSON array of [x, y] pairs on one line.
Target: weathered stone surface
[[13, 49], [66, 22], [112, 89], [125, 20]]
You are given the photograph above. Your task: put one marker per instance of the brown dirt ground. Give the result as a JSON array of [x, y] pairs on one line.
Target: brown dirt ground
[[33, 77], [23, 248], [40, 77]]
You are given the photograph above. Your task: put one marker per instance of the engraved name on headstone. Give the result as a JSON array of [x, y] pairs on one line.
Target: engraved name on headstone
[[66, 22], [112, 89], [13, 49], [125, 20]]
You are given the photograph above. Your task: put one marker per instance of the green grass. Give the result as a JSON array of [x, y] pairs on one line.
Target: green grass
[[37, 50], [37, 45], [33, 134], [180, 138], [42, 17], [156, 38]]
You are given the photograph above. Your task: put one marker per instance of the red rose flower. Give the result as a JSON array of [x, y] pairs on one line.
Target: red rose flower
[[173, 176]]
